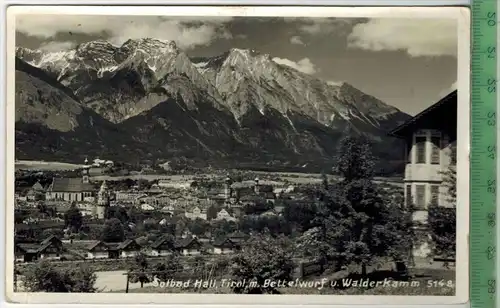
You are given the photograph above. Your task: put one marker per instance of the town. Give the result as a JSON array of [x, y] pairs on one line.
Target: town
[[164, 204]]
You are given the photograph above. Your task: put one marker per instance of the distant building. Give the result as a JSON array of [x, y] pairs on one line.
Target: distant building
[[146, 207], [71, 189], [36, 193], [177, 185], [49, 249], [224, 246], [189, 246], [162, 247], [196, 213], [224, 215], [430, 138], [166, 166], [129, 248], [102, 200], [97, 250]]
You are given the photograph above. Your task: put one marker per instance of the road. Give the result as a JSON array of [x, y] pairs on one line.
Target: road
[[105, 282], [113, 281]]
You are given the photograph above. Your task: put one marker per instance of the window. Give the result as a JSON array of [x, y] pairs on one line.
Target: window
[[408, 153], [420, 148], [453, 154], [420, 190], [436, 150], [435, 194], [408, 199]]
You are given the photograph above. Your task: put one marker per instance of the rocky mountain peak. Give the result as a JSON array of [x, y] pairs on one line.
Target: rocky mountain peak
[[149, 46]]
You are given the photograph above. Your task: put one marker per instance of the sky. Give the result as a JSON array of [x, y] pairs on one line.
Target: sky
[[407, 63]]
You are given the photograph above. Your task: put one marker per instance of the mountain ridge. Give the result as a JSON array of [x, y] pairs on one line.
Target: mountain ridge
[[151, 87]]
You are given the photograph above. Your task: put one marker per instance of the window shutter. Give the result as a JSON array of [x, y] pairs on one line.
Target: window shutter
[[435, 194], [420, 189], [420, 149], [409, 197], [436, 150]]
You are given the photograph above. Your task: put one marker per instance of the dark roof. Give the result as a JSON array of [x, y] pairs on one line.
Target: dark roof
[[252, 198], [113, 246], [127, 243], [91, 246], [185, 242], [49, 239], [449, 102], [29, 247], [159, 242], [70, 185], [266, 188], [237, 235], [268, 195], [224, 242]]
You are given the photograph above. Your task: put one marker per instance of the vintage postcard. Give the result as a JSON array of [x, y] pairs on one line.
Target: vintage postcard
[[232, 155]]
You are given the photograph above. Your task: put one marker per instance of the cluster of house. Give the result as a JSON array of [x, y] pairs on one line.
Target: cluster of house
[[53, 248], [170, 197]]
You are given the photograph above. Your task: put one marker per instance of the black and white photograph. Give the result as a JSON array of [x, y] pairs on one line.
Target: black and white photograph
[[237, 154]]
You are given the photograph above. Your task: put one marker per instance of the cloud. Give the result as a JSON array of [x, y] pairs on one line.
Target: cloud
[[418, 37], [305, 65], [296, 40], [447, 90], [57, 46], [187, 32], [317, 26]]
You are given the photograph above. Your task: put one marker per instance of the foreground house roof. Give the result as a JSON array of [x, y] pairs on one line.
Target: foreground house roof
[[441, 114]]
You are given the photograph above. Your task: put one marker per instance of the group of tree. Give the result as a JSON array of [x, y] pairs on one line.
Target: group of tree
[[442, 221], [45, 277], [353, 224], [143, 272]]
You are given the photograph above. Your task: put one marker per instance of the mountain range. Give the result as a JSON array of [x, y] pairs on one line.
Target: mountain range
[[148, 101]]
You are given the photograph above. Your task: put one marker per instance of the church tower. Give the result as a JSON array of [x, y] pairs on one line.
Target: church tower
[[102, 200], [227, 187], [85, 172], [257, 186]]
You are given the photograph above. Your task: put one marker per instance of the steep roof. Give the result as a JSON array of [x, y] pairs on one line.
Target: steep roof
[[186, 242], [160, 242], [224, 242], [92, 245], [29, 247], [445, 110], [127, 243], [70, 185], [37, 187]]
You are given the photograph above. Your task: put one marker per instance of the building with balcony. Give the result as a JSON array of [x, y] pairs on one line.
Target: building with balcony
[[430, 151]]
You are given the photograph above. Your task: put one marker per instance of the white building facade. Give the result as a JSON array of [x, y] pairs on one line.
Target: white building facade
[[430, 139]]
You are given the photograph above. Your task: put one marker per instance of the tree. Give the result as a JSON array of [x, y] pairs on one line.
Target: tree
[[137, 272], [73, 218], [442, 221], [168, 269], [324, 181], [355, 224], [117, 212], [44, 277], [113, 231], [300, 214], [198, 226], [262, 257], [212, 212], [442, 225], [450, 177]]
